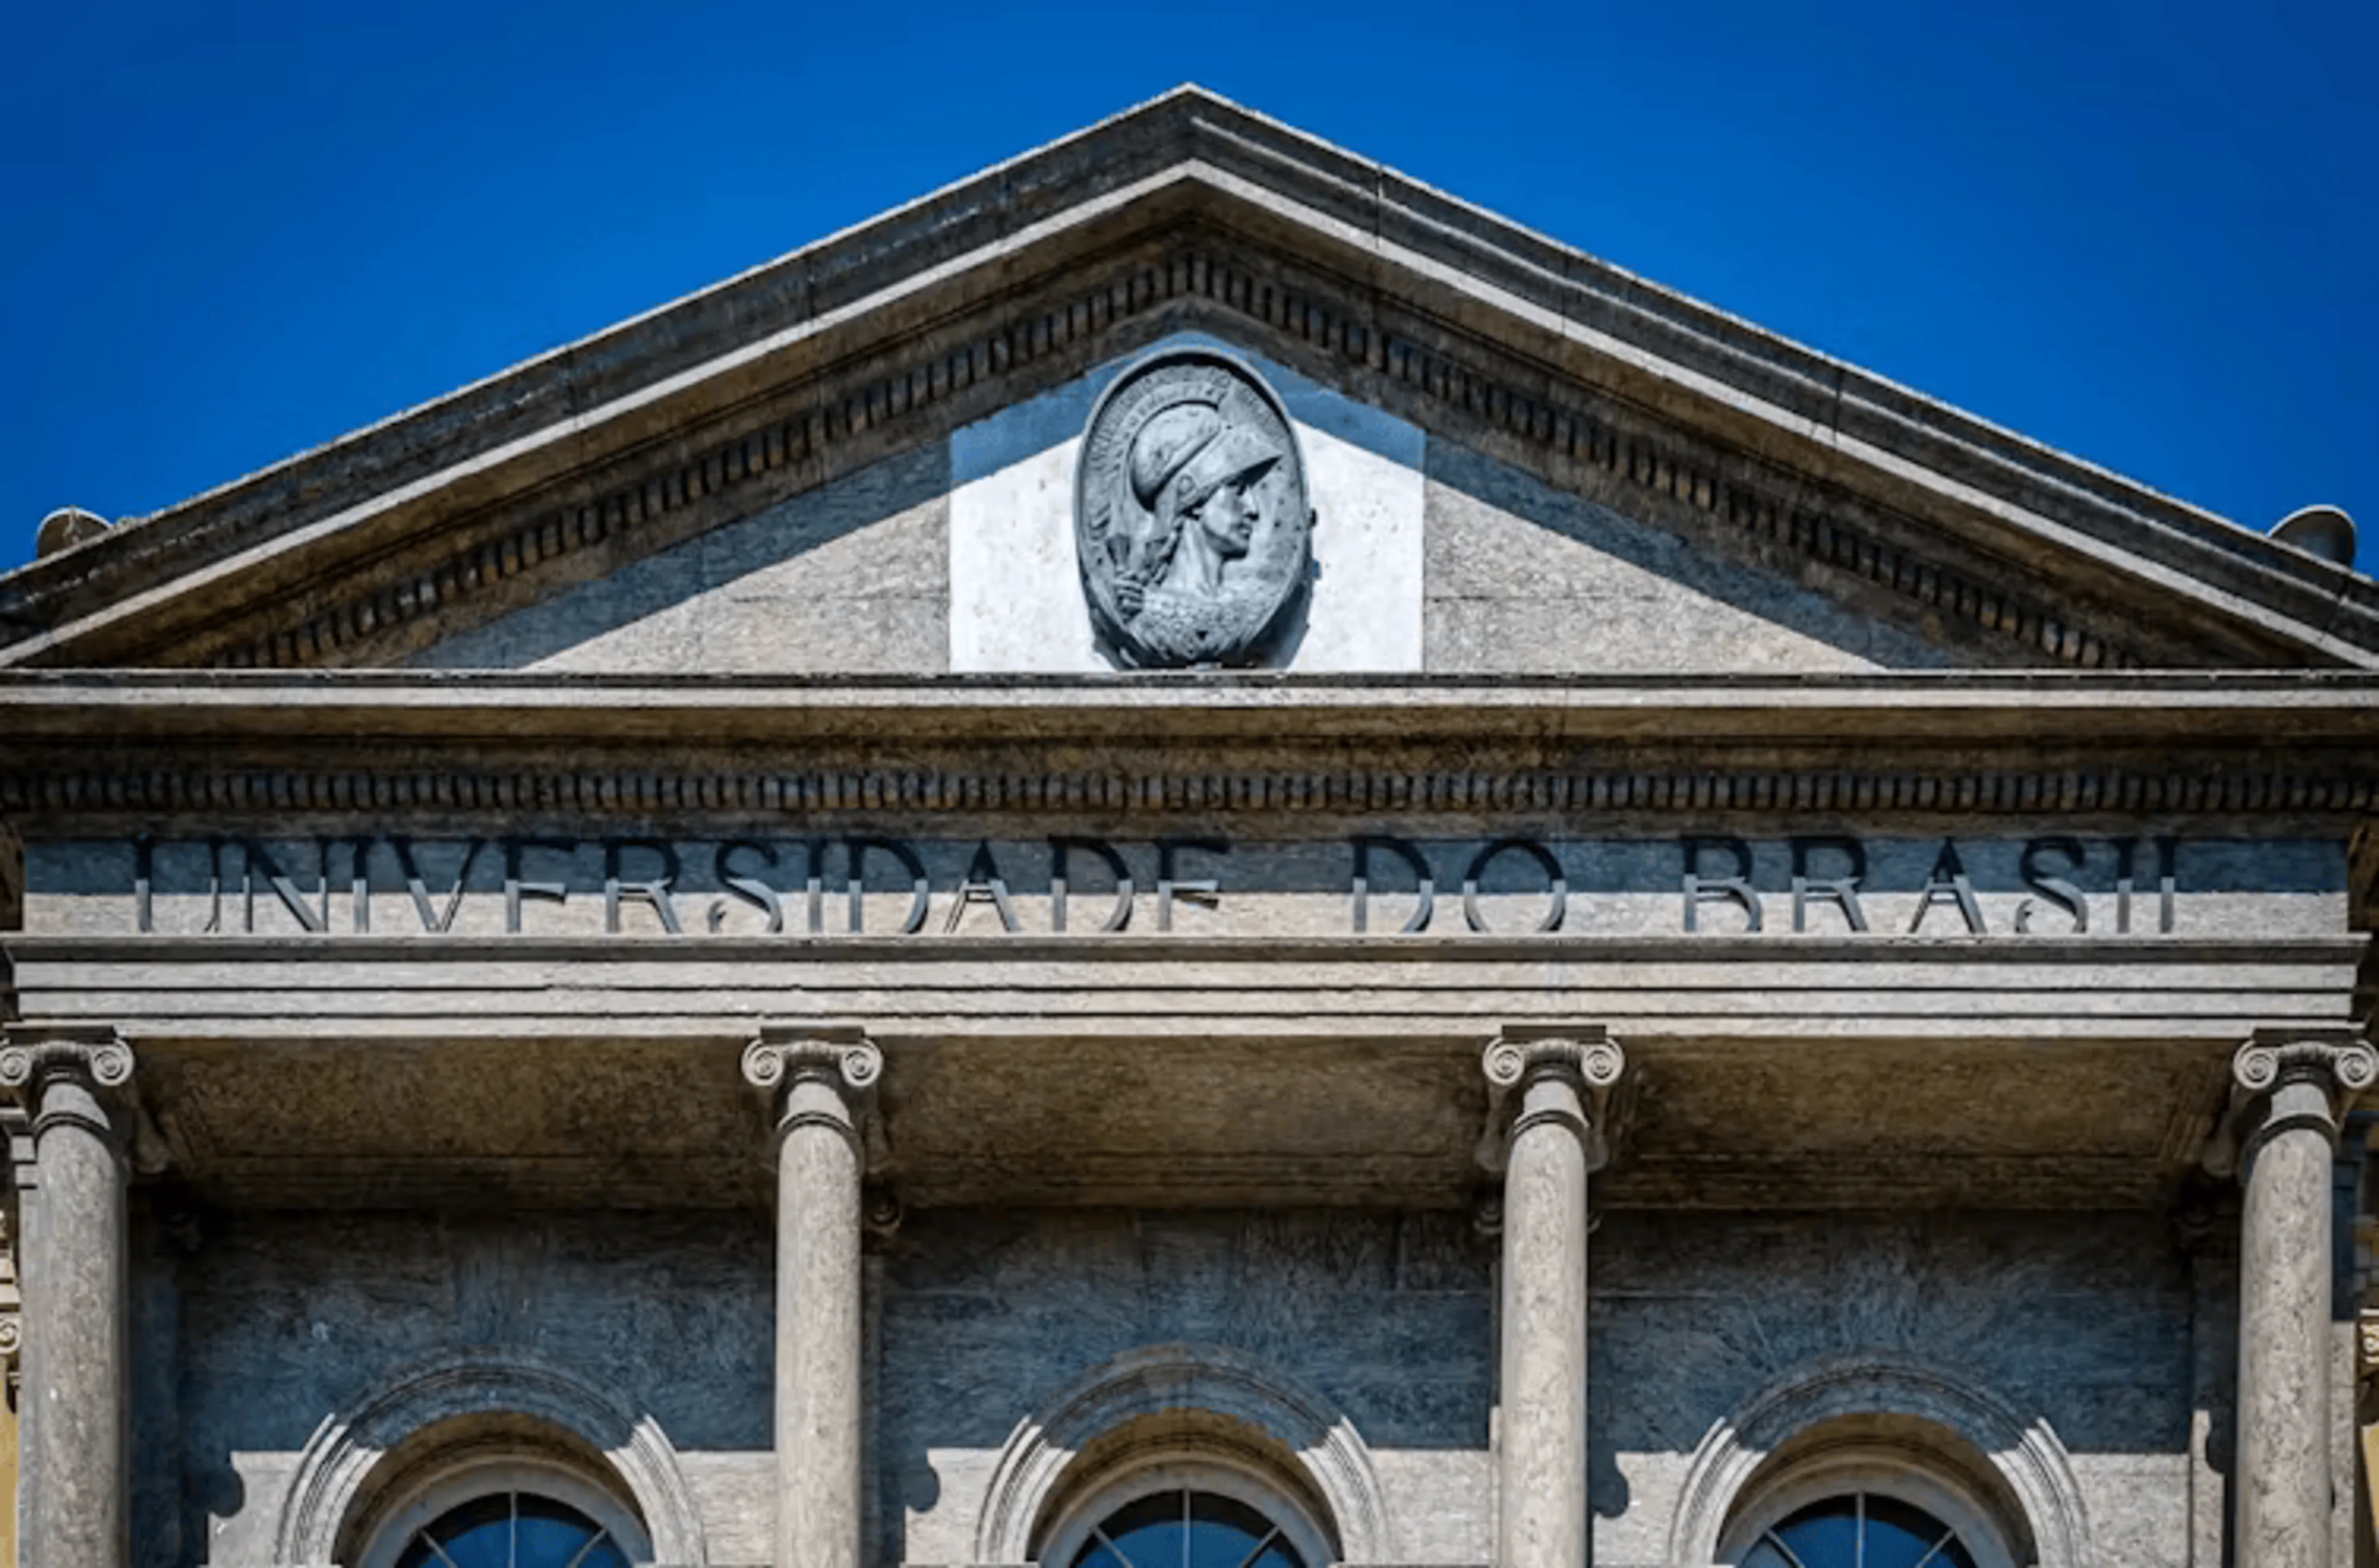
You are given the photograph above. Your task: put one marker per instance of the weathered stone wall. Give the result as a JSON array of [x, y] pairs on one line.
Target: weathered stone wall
[[988, 1314], [1525, 579], [286, 1319], [847, 579], [979, 1318], [2084, 1323]]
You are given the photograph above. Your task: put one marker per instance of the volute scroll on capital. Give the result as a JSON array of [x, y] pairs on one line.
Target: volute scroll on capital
[[2348, 1065], [2339, 1064], [784, 1059], [1588, 1061], [853, 1066], [99, 1062]]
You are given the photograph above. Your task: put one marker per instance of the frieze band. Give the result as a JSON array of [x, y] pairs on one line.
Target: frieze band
[[819, 883]]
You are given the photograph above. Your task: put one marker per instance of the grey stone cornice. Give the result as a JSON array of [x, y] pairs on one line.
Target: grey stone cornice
[[226, 749], [463, 707], [918, 318]]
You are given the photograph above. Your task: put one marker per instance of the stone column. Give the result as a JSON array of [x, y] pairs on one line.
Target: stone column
[[2289, 1095], [1552, 1090], [819, 1088], [74, 1400]]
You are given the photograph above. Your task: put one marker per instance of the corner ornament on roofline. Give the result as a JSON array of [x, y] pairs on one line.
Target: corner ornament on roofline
[[1192, 522]]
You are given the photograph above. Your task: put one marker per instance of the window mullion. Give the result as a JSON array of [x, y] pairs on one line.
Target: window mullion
[[1929, 1556], [1099, 1534], [1272, 1536]]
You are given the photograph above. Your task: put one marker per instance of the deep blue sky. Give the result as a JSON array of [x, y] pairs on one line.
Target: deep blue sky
[[2147, 234]]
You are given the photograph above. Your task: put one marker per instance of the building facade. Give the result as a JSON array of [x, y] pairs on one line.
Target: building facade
[[1185, 857]]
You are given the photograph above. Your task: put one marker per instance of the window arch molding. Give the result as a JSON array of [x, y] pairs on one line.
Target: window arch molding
[[1813, 1417], [1837, 1469], [429, 1494], [474, 1406], [1202, 1473], [1057, 1457]]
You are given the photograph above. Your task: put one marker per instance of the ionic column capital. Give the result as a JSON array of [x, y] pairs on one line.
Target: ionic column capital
[[2342, 1063], [2283, 1079], [789, 1063], [37, 1058], [848, 1062], [1584, 1061]]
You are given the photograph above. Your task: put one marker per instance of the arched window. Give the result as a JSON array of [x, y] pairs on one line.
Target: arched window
[[1186, 1511], [1859, 1529], [512, 1529], [1180, 1527], [495, 1511], [1843, 1503]]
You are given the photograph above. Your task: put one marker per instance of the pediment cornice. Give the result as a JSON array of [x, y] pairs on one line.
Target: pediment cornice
[[2254, 754], [1187, 212]]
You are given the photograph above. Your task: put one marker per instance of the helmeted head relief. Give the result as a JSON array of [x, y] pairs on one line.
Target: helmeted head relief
[[1189, 447]]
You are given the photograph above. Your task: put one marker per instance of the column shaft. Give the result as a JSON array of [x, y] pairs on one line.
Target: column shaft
[[819, 1367], [1542, 1520], [818, 1335], [2285, 1344], [74, 1403], [1542, 1436]]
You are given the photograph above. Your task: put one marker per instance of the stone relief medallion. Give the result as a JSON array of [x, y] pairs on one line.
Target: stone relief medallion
[[1190, 518]]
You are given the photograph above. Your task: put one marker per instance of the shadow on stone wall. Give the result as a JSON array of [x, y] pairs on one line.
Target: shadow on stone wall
[[794, 587]]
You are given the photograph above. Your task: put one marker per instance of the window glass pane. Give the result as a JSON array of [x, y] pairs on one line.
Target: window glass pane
[[1186, 1529], [1824, 1535], [1150, 1533], [514, 1530], [550, 1536], [1899, 1536], [477, 1535], [1827, 1534], [1220, 1546], [1224, 1532]]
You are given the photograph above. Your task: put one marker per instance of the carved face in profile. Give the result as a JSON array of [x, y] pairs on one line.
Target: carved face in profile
[[1228, 517], [1191, 522], [1203, 478]]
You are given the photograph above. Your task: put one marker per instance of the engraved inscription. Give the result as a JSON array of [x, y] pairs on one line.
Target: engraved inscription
[[859, 881]]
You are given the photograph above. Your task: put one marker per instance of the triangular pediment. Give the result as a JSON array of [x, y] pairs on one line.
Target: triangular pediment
[[862, 458]]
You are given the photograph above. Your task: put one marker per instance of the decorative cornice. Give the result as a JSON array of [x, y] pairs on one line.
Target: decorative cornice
[[597, 791], [1568, 426]]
